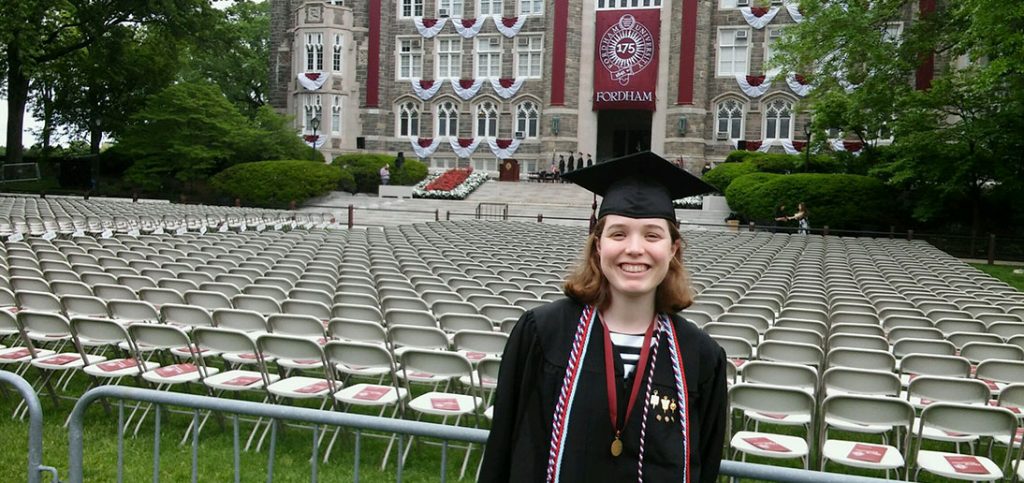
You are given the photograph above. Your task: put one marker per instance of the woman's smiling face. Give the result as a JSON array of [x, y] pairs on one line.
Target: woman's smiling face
[[635, 254]]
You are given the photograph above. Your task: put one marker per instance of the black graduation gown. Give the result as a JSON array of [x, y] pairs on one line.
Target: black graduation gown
[[532, 370]]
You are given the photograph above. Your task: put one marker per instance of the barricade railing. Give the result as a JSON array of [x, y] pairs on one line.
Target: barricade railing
[[357, 422], [35, 427]]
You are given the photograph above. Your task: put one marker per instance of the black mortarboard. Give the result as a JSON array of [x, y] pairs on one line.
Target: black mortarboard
[[640, 185]]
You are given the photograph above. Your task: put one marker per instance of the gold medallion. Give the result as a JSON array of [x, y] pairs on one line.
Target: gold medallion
[[659, 417], [616, 447], [672, 406]]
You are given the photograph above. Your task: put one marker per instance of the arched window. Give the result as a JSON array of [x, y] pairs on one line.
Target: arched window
[[487, 120], [311, 108], [729, 119], [447, 119], [527, 119], [778, 119], [409, 119]]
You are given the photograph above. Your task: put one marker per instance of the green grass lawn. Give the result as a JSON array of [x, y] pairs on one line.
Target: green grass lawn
[[1004, 273]]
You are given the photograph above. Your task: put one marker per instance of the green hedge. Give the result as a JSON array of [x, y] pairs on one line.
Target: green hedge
[[365, 169], [723, 174], [274, 184], [841, 201]]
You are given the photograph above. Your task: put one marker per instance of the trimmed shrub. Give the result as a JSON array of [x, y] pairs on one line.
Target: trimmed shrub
[[841, 201], [274, 184], [740, 156], [723, 174], [365, 169]]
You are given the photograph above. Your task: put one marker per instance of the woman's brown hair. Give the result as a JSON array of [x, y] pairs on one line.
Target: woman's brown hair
[[587, 284]]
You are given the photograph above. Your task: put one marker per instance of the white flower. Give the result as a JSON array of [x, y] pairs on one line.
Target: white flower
[[460, 192]]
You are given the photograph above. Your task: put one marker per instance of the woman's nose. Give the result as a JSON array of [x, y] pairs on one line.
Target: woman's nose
[[634, 245]]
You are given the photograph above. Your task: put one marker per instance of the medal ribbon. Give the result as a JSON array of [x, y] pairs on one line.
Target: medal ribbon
[[609, 376]]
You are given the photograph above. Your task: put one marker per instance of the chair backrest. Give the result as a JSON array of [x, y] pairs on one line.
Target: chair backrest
[[297, 325], [158, 336], [734, 347], [288, 347], [488, 342], [898, 333], [999, 370], [771, 399], [949, 389], [970, 419], [240, 320], [43, 324], [794, 352], [904, 347], [257, 303], [935, 365], [38, 301], [977, 352], [359, 354], [497, 313], [101, 330], [418, 337], [794, 335], [951, 325], [855, 341], [418, 318], [781, 374], [758, 321], [442, 307], [358, 331], [436, 363], [818, 327], [457, 322], [224, 340], [873, 360], [805, 314], [208, 300], [133, 311], [187, 315], [869, 410], [84, 305], [357, 312], [730, 329], [860, 381]]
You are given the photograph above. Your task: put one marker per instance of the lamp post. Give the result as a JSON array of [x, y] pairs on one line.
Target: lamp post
[[807, 147], [315, 124]]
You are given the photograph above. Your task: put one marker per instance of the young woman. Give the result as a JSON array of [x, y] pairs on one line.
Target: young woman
[[801, 217], [610, 384]]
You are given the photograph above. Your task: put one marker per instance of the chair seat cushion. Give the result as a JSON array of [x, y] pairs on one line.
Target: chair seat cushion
[[445, 404], [769, 445], [958, 466], [862, 455]]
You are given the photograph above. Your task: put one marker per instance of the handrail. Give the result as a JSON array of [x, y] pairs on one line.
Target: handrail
[[35, 427], [371, 423]]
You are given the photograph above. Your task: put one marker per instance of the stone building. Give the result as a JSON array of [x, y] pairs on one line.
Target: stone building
[[466, 82]]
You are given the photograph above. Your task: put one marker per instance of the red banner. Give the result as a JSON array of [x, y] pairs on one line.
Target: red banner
[[626, 70]]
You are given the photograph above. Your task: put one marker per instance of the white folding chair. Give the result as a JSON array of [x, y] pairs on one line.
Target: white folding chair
[[774, 400], [847, 410], [964, 419]]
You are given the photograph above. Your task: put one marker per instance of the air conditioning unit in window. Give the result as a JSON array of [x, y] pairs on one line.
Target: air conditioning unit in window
[[495, 42], [742, 3], [776, 2], [741, 34], [520, 135], [722, 136], [775, 33], [442, 12]]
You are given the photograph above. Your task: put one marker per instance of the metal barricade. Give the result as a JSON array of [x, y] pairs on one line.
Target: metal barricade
[[492, 211], [35, 427], [357, 422]]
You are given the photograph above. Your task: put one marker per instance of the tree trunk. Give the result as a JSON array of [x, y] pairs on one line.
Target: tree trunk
[[17, 97], [95, 137]]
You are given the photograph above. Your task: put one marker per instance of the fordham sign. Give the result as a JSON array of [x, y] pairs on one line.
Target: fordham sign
[[626, 70]]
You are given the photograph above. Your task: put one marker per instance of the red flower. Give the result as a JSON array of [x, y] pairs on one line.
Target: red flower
[[450, 180]]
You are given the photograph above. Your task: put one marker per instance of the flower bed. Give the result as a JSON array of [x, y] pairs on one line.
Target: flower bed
[[454, 184], [689, 203]]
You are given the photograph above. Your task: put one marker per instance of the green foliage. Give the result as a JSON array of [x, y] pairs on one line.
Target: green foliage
[[189, 131], [723, 174], [740, 155], [274, 184], [837, 200], [185, 133], [365, 168]]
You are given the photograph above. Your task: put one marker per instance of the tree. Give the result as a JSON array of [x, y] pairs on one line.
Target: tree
[[36, 33], [952, 142], [185, 133], [190, 131], [235, 55]]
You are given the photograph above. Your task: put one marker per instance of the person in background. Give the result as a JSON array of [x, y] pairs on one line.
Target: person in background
[[801, 218], [590, 161], [385, 175], [705, 169], [611, 383], [561, 164], [780, 215], [399, 161], [572, 163]]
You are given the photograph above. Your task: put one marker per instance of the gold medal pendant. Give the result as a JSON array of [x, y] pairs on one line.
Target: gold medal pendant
[[616, 447]]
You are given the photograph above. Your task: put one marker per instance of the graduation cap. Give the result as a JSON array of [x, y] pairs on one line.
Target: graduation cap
[[639, 185]]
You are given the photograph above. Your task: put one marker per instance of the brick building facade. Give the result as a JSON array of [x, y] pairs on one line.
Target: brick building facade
[[368, 55]]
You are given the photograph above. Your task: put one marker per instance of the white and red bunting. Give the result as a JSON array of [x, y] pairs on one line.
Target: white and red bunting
[[798, 84], [463, 147], [425, 89], [424, 147], [758, 17], [312, 80], [429, 27], [509, 26], [467, 88], [468, 27], [313, 141], [754, 85], [794, 11], [853, 147], [507, 87], [503, 148]]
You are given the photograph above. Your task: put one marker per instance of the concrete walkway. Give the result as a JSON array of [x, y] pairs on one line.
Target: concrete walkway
[[558, 203]]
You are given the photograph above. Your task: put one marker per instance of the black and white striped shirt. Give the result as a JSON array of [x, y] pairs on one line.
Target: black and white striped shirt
[[628, 346]]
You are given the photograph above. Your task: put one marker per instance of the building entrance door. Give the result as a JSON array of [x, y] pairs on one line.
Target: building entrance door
[[622, 132]]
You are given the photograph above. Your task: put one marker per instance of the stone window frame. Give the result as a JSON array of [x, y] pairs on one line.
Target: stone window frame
[[399, 54], [523, 118], [450, 5], [438, 53], [539, 52], [482, 113], [497, 7], [314, 48], [440, 111], [337, 107], [720, 46], [312, 106], [408, 117], [742, 105], [537, 7], [415, 8], [478, 52], [771, 104], [336, 60]]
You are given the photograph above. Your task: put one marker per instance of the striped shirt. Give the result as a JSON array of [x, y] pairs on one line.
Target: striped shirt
[[628, 346]]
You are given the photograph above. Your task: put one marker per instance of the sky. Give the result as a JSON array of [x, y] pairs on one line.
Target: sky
[[31, 124]]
